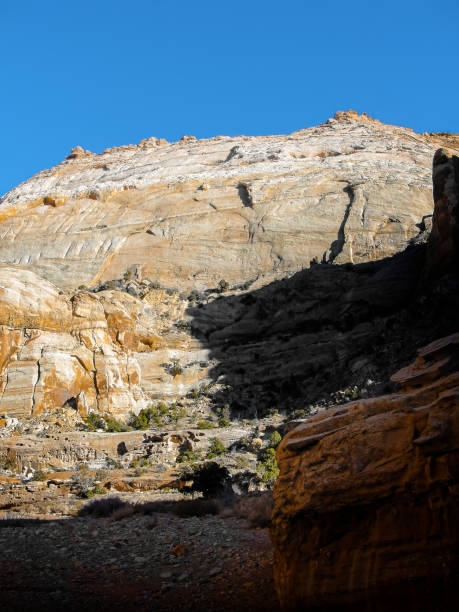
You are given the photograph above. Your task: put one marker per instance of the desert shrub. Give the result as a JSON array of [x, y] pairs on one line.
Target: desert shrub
[[205, 424], [140, 462], [40, 476], [274, 439], [242, 462], [162, 409], [245, 285], [142, 420], [301, 413], [113, 464], [267, 466], [223, 286], [100, 475], [256, 509], [204, 389], [225, 416], [123, 512], [11, 461], [243, 444], [139, 472], [149, 417], [113, 425], [175, 367], [102, 507], [95, 490], [216, 449], [183, 326], [94, 421], [177, 413], [189, 456], [196, 296], [83, 482]]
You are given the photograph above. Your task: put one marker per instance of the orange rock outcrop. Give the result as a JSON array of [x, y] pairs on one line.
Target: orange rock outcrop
[[367, 503]]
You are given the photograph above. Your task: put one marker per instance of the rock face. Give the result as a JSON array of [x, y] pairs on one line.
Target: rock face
[[444, 240], [57, 350], [367, 502], [366, 506], [99, 351], [191, 213]]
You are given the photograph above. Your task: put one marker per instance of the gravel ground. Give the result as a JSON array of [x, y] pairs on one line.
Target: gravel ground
[[158, 562]]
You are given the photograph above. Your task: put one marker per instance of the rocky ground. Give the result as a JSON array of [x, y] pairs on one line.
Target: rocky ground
[[158, 562]]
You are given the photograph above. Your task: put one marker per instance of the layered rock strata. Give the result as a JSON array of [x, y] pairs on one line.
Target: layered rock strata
[[118, 344], [366, 507], [194, 212]]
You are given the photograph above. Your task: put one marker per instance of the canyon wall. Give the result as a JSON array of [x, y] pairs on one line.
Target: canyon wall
[[366, 505], [191, 213], [93, 250]]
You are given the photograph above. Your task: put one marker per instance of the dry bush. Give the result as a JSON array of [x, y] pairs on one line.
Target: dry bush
[[123, 512], [102, 507], [256, 509]]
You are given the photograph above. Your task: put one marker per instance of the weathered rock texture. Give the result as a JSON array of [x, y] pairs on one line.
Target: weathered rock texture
[[55, 348], [190, 214], [367, 502], [366, 505], [444, 239], [194, 212]]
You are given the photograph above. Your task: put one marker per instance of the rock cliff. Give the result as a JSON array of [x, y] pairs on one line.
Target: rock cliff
[[366, 505], [191, 213], [93, 249]]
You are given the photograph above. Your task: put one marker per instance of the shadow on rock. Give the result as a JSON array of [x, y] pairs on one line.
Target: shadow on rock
[[326, 328]]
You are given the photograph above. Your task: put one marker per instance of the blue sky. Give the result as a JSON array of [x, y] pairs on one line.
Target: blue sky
[[102, 73]]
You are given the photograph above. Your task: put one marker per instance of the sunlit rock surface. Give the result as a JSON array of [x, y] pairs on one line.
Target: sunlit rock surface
[[250, 213], [366, 509], [194, 212]]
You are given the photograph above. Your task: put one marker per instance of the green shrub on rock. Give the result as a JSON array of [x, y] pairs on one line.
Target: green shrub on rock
[[267, 466], [40, 476], [216, 449], [94, 421], [274, 439], [205, 424]]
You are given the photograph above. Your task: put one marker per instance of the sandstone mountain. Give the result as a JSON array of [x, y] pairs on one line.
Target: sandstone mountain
[[191, 213], [144, 271]]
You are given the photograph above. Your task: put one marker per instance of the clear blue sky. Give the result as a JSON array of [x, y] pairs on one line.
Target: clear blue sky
[[101, 73]]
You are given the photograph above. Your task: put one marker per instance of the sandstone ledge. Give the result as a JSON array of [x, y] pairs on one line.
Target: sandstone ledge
[[366, 506]]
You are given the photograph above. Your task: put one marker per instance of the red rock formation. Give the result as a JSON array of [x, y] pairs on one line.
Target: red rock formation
[[366, 506]]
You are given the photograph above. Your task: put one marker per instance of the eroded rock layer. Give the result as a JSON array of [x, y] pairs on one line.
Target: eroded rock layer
[[366, 506], [191, 213], [367, 503], [246, 209]]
